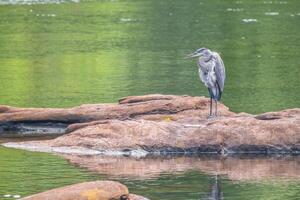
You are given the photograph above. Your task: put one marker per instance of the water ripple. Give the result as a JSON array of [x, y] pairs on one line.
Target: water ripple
[[31, 2]]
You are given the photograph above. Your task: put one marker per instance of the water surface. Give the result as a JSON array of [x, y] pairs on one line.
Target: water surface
[[59, 53], [176, 178], [63, 53]]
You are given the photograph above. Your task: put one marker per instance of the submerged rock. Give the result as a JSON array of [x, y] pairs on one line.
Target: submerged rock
[[161, 124], [100, 190]]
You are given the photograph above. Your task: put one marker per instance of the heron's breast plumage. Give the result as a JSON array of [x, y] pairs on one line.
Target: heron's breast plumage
[[206, 73]]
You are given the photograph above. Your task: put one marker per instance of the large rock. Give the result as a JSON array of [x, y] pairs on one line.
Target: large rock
[[97, 190], [130, 107], [54, 121], [162, 124]]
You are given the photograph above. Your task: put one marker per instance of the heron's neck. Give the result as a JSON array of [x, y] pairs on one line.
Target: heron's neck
[[205, 59]]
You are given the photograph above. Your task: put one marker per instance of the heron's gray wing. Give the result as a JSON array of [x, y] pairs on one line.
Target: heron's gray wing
[[219, 70], [202, 73]]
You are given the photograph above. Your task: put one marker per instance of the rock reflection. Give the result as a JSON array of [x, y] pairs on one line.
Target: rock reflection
[[245, 168]]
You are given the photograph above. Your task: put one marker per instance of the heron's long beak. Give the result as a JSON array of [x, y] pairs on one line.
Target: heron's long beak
[[193, 55]]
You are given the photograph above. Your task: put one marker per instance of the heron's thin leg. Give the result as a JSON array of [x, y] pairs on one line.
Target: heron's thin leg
[[216, 108], [210, 107]]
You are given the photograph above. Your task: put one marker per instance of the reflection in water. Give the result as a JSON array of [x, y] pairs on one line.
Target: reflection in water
[[231, 178], [163, 178], [215, 193], [245, 168]]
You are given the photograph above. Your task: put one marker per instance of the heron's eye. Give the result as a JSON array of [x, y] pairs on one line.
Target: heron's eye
[[200, 50]]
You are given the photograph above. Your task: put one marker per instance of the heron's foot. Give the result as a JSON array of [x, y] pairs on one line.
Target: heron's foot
[[210, 116]]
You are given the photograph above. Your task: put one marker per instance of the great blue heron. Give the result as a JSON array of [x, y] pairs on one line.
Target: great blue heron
[[212, 74]]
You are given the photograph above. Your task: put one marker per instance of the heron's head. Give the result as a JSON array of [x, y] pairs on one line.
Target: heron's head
[[202, 52]]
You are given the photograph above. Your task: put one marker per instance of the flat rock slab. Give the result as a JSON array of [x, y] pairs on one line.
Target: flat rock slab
[[148, 107], [55, 120], [162, 124], [97, 190]]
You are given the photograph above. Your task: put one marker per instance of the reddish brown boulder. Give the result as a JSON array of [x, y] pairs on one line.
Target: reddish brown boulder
[[57, 121], [163, 124], [97, 190], [129, 107]]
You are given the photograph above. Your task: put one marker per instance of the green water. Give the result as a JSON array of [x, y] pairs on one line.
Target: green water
[[66, 54], [25, 173], [59, 55]]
